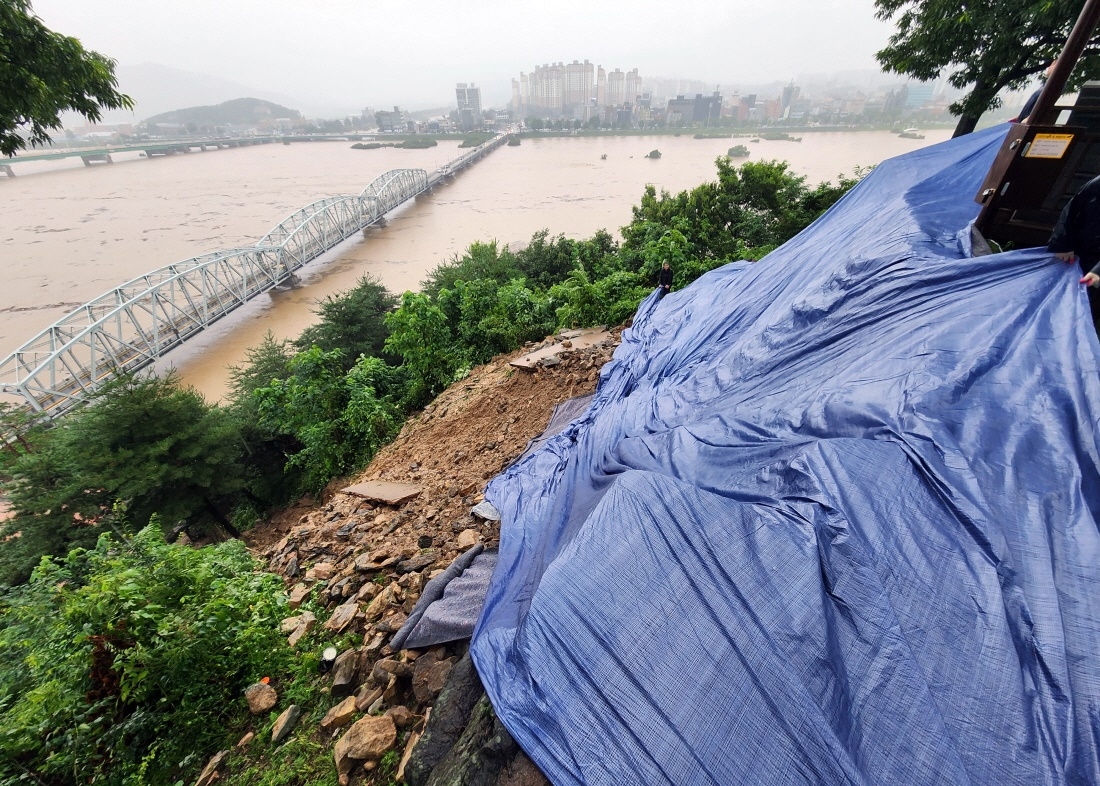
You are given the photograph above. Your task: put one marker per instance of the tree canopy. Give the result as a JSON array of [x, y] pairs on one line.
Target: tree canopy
[[984, 46], [42, 74]]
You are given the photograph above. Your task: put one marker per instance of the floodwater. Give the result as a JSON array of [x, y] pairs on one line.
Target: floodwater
[[69, 233]]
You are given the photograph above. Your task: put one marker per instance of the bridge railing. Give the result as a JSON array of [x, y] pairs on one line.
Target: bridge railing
[[132, 325]]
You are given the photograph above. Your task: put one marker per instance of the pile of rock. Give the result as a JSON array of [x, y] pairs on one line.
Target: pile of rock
[[358, 566]]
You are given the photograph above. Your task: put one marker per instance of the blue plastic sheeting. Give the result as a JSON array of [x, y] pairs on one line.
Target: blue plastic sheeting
[[831, 519]]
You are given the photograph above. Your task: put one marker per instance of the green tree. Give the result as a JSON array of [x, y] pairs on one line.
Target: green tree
[[42, 74], [338, 418], [421, 334], [547, 261], [352, 321], [984, 46], [481, 261], [147, 443], [269, 361]]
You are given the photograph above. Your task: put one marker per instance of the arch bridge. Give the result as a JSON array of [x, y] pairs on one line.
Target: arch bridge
[[129, 327]]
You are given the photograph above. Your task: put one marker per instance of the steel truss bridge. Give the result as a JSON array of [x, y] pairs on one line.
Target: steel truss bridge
[[129, 327]]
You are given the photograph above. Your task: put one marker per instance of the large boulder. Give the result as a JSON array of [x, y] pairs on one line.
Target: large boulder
[[366, 740]]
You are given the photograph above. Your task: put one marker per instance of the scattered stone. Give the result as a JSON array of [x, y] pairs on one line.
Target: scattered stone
[[467, 538], [292, 570], [340, 715], [298, 595], [261, 697], [210, 771], [550, 361], [429, 677], [382, 601], [424, 542], [417, 563], [367, 696], [390, 666], [322, 571], [382, 491], [345, 531], [366, 740], [344, 672], [402, 715], [306, 621], [342, 616], [393, 622], [285, 723], [373, 646], [410, 744], [246, 740]]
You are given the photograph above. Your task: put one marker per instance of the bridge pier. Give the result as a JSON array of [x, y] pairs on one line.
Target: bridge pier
[[7, 170], [97, 158]]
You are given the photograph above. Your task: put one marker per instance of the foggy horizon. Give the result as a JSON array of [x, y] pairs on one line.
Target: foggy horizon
[[344, 56]]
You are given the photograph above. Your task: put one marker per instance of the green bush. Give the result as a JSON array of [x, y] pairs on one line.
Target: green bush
[[338, 418], [125, 664]]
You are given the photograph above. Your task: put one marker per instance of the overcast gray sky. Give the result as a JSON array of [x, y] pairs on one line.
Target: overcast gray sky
[[358, 52]]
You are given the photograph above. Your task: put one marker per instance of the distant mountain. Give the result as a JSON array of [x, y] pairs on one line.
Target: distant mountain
[[238, 112], [157, 89]]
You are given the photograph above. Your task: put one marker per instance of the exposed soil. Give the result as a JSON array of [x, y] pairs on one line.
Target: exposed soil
[[471, 432], [362, 566]]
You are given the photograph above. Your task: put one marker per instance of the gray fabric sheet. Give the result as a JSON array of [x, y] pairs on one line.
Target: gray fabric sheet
[[564, 414], [451, 602]]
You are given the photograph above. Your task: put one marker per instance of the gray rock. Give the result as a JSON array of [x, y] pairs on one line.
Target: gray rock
[[480, 753], [284, 724], [416, 563], [448, 719], [344, 673]]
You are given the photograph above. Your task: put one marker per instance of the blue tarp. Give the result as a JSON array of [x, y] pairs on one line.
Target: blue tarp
[[831, 519]]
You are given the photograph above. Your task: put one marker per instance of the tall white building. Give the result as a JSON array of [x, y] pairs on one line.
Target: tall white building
[[616, 88], [577, 86], [469, 105], [632, 87]]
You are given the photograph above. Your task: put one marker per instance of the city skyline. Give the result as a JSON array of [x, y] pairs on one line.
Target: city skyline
[[343, 55]]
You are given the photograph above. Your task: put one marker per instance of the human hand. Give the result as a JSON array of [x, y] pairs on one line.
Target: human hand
[[1090, 279], [1065, 256]]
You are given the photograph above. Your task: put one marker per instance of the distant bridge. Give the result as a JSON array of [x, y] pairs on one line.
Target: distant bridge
[[128, 328], [152, 149]]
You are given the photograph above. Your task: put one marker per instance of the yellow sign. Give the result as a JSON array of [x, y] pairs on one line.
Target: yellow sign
[[1048, 146]]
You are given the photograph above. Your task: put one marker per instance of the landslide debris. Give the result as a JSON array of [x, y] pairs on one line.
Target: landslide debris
[[362, 565]]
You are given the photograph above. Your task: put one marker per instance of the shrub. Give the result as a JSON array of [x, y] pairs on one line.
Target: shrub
[[124, 664]]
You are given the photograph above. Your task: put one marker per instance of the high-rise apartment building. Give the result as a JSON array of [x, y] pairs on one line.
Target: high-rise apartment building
[[469, 105], [616, 88], [632, 86], [547, 87], [577, 85], [573, 89]]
